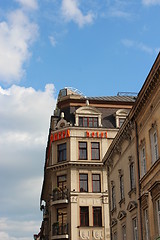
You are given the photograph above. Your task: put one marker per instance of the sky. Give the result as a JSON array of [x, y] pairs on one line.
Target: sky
[[100, 47]]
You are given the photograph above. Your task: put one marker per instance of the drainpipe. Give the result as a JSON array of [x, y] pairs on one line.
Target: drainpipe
[[109, 202], [139, 185]]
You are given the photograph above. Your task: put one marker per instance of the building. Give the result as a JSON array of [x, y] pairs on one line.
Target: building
[[74, 196], [133, 165]]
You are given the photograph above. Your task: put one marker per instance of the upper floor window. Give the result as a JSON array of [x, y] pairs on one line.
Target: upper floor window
[[154, 145], [97, 216], [83, 182], [132, 177], [124, 232], [62, 216], [88, 121], [135, 229], [113, 197], [62, 181], [121, 115], [96, 183], [121, 179], [143, 161], [95, 151], [158, 214], [146, 224], [115, 236], [83, 150], [62, 152], [84, 216]]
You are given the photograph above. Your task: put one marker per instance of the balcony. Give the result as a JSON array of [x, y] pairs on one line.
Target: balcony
[[60, 231], [59, 196]]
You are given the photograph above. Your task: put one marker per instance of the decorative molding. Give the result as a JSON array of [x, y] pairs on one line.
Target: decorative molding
[[84, 234], [73, 199], [104, 200], [97, 234], [155, 189], [132, 205], [121, 215], [113, 222], [144, 200]]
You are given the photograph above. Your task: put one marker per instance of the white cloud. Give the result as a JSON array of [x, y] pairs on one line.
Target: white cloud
[[151, 2], [71, 12], [29, 4], [8, 225], [24, 123], [138, 45], [17, 34], [52, 41]]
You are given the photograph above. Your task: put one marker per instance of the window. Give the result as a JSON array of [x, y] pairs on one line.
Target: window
[[143, 161], [62, 181], [115, 236], [88, 121], [62, 156], [83, 182], [113, 198], [121, 187], [124, 232], [154, 146], [146, 223], [62, 216], [83, 150], [132, 179], [97, 216], [96, 183], [135, 230], [121, 121], [95, 151], [158, 214], [84, 216]]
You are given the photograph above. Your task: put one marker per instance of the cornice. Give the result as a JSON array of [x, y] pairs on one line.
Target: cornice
[[74, 164]]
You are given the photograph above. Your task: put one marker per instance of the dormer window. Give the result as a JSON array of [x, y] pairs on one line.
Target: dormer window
[[88, 117], [88, 121], [121, 115]]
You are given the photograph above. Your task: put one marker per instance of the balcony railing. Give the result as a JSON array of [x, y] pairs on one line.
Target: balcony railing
[[59, 229], [60, 195]]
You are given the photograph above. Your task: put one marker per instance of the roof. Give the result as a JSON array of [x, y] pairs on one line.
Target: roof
[[114, 98]]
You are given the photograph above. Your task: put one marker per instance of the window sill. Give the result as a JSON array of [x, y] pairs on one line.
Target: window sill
[[121, 201], [131, 192]]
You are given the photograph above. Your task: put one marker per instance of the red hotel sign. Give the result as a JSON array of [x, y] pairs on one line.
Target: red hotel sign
[[59, 135], [96, 134]]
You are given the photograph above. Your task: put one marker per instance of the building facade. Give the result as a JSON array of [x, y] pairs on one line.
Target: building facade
[[74, 196], [133, 165]]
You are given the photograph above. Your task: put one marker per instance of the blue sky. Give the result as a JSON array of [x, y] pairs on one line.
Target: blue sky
[[100, 47]]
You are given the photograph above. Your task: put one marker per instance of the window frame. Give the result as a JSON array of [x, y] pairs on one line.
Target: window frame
[[154, 145], [143, 161], [83, 182], [82, 151], [97, 187], [63, 215], [132, 176], [88, 121], [158, 214], [62, 153], [124, 235], [146, 224], [97, 216], [95, 151], [62, 182], [121, 181], [113, 192], [135, 228], [84, 216]]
